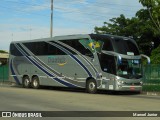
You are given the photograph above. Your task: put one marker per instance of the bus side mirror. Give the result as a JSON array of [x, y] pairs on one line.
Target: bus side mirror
[[148, 59], [119, 59], [92, 59]]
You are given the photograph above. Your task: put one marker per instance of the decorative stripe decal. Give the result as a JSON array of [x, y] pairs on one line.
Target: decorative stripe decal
[[73, 57], [51, 70], [13, 73], [43, 69], [73, 50]]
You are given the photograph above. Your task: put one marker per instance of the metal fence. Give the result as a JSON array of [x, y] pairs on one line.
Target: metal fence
[[152, 74], [4, 73], [151, 81]]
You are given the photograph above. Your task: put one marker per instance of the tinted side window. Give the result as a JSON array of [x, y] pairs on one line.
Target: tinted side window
[[14, 51], [32, 46], [107, 63], [120, 46], [37, 48], [52, 50], [40, 48], [105, 39], [124, 46], [132, 47], [43, 48], [107, 45], [78, 46]]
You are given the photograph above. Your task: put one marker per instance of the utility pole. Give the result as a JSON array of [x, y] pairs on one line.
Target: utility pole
[[12, 36], [51, 27]]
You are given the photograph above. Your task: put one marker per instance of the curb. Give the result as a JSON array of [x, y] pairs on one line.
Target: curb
[[151, 93], [8, 83]]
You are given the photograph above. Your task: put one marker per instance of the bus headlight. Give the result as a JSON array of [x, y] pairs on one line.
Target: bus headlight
[[141, 83], [120, 82]]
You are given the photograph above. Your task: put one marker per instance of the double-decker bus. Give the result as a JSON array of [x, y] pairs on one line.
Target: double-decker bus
[[89, 61]]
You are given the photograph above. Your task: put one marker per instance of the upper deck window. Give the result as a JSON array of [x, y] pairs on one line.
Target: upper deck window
[[77, 45], [107, 44], [14, 51], [117, 44], [126, 47]]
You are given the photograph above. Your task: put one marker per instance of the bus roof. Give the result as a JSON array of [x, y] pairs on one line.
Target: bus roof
[[75, 36]]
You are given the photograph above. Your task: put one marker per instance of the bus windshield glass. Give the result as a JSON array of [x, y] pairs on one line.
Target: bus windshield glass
[[120, 45], [130, 69], [126, 47]]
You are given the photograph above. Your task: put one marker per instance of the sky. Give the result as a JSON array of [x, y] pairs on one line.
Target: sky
[[30, 19]]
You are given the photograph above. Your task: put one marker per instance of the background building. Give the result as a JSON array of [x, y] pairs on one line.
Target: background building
[[4, 58]]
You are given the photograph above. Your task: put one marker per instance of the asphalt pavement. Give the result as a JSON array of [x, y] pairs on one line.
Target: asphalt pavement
[[15, 98]]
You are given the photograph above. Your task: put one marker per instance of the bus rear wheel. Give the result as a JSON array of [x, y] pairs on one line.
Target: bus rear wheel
[[91, 86], [35, 83], [26, 82]]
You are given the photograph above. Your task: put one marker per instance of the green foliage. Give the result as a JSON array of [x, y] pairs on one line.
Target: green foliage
[[152, 8], [116, 26], [151, 88], [155, 56], [144, 27], [2, 51], [137, 29]]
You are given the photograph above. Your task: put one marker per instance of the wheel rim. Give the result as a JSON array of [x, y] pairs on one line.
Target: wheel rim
[[92, 86], [35, 83], [26, 82]]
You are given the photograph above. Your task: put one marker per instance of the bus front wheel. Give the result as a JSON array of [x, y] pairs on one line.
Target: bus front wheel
[[91, 86], [35, 83]]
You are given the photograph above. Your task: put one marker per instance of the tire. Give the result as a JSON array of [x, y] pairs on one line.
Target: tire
[[26, 82], [35, 83], [91, 86]]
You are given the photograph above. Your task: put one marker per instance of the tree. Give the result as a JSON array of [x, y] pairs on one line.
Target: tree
[[150, 16], [144, 28], [134, 27], [2, 51], [155, 56], [117, 26], [153, 10]]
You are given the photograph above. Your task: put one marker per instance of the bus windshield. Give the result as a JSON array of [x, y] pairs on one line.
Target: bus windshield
[[130, 69], [126, 47]]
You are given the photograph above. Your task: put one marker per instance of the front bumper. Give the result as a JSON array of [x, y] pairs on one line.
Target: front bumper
[[128, 88]]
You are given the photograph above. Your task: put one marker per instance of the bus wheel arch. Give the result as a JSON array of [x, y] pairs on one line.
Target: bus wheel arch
[[26, 81], [35, 82], [91, 85]]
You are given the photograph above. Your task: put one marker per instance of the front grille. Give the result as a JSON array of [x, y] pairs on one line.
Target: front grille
[[132, 83]]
